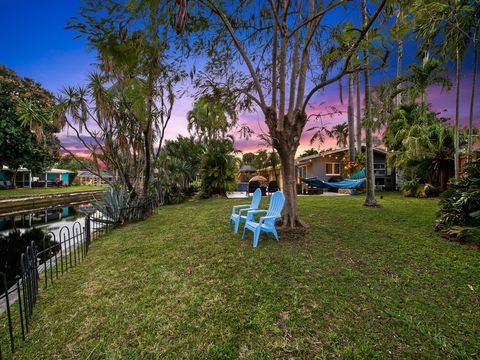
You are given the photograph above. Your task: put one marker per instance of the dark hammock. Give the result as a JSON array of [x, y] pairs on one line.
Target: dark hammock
[[345, 184]]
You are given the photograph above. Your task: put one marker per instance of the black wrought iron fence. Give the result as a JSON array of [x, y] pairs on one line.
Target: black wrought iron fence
[[42, 268], [39, 268]]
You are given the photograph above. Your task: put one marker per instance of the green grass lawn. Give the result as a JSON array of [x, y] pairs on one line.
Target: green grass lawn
[[53, 190], [360, 283]]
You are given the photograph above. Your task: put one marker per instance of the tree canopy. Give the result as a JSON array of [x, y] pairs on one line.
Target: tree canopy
[[24, 143]]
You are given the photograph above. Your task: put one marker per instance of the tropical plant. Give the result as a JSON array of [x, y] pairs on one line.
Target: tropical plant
[[180, 161], [309, 152], [211, 117], [459, 214], [421, 145], [416, 84], [340, 133], [442, 25], [174, 178], [118, 206], [114, 204], [218, 167], [414, 188], [127, 105]]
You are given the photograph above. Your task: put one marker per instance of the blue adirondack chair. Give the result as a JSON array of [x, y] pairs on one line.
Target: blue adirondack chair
[[236, 217], [266, 223]]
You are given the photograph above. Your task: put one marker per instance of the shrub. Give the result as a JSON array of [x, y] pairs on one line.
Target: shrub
[[14, 244], [459, 214], [118, 206], [413, 188], [218, 168]]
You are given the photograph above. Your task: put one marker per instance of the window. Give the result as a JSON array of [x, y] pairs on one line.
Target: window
[[333, 169], [301, 173], [379, 169]]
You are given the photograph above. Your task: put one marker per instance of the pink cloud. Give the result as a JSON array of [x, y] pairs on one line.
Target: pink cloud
[[443, 102]]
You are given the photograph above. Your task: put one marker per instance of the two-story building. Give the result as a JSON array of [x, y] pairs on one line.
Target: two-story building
[[328, 164]]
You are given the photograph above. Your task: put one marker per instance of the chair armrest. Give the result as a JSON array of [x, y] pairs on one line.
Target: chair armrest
[[247, 210], [235, 207], [263, 218], [240, 206], [251, 213]]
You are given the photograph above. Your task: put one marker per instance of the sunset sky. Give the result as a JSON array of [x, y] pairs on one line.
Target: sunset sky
[[35, 44]]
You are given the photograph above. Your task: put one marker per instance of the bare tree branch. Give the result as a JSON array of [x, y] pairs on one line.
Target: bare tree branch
[[350, 53]]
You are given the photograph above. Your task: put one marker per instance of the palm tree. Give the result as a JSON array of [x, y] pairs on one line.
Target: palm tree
[[431, 72], [210, 118], [34, 117], [420, 144], [351, 120], [448, 20], [340, 132], [430, 148], [370, 197], [309, 152], [359, 113], [475, 25], [383, 96], [399, 31], [189, 153]]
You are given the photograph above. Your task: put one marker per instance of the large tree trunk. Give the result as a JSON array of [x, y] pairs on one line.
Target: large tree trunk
[[148, 156], [273, 163], [351, 120], [286, 147], [359, 115], [290, 217], [457, 114], [472, 98], [370, 198], [14, 178]]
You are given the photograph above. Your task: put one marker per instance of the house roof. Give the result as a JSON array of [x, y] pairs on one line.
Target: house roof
[[336, 151], [58, 171], [20, 169], [86, 173], [247, 168]]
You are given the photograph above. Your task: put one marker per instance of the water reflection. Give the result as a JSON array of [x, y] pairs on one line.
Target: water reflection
[[49, 220]]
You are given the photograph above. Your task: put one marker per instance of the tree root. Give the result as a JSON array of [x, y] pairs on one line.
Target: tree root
[[372, 204], [287, 223]]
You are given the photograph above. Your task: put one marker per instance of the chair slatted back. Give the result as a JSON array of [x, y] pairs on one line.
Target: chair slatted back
[[257, 197], [277, 201]]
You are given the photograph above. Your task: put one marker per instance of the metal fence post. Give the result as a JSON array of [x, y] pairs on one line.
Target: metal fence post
[[87, 233], [9, 314]]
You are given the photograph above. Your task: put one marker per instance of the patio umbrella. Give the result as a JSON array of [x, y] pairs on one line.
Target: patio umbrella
[[259, 178]]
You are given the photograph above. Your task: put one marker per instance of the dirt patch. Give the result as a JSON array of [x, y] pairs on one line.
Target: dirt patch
[[296, 235]]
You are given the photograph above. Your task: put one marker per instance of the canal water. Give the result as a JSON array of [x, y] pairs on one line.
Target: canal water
[[49, 220]]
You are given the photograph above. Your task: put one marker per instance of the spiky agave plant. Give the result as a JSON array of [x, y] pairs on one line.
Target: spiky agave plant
[[114, 205]]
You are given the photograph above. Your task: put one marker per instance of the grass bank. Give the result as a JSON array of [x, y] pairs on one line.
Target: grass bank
[[54, 190], [360, 282]]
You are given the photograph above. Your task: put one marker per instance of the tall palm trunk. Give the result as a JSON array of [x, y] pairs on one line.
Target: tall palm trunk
[[457, 114], [359, 115], [370, 198], [399, 59], [472, 98], [351, 120]]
